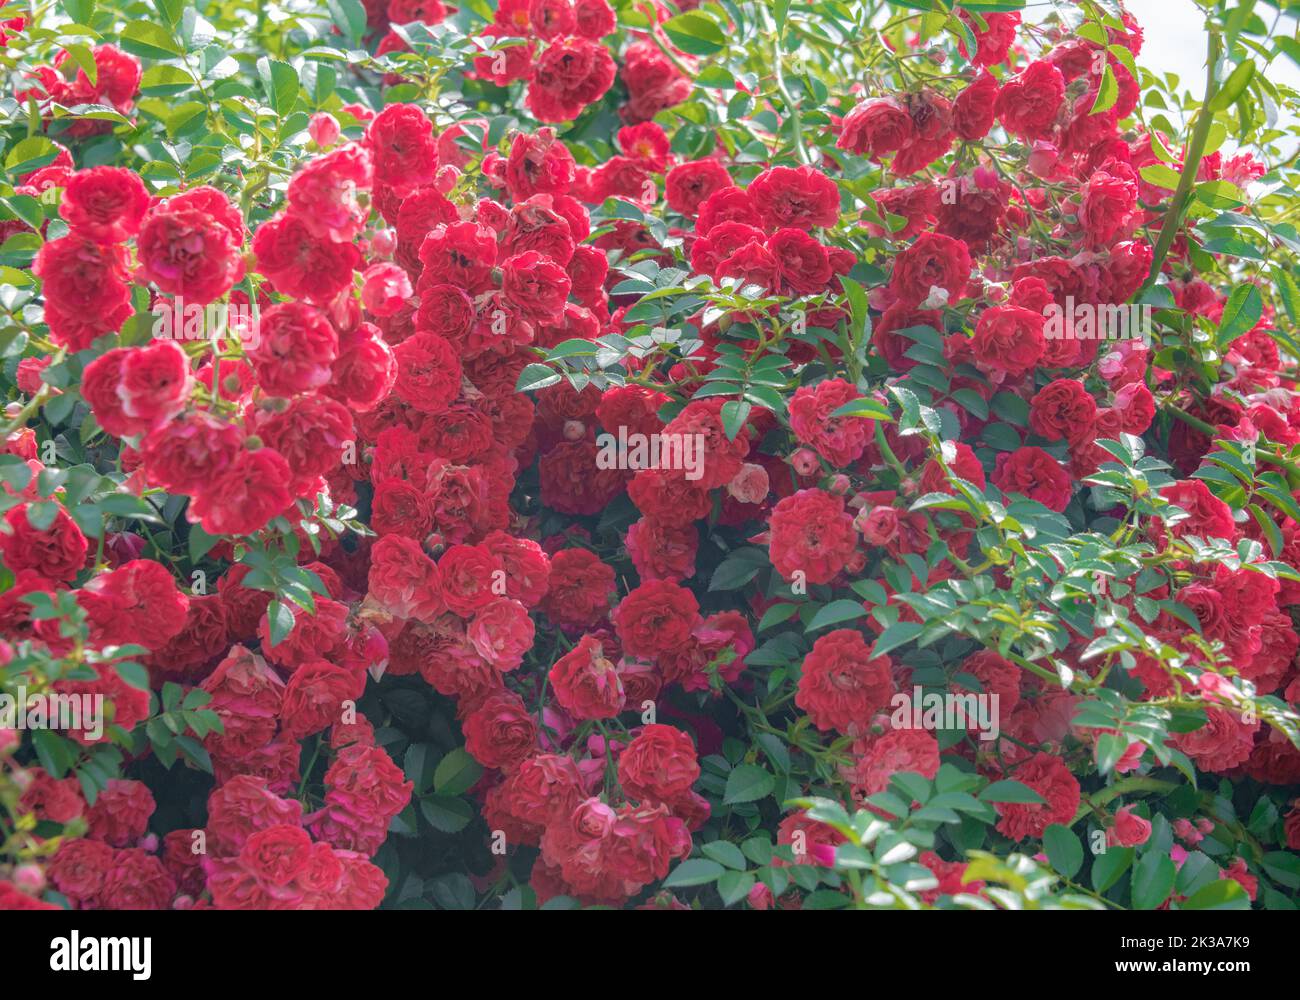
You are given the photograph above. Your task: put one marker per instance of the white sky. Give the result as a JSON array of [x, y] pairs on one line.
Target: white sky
[[1174, 41]]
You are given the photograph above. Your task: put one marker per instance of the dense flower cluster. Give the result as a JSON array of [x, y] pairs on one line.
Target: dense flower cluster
[[399, 510]]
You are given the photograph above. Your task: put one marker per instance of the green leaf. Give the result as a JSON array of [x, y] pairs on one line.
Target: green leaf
[[1240, 313], [456, 773], [281, 616], [836, 613], [30, 154], [734, 414], [1011, 791], [897, 635], [1160, 175], [696, 33], [1107, 92], [280, 83], [1221, 894], [873, 409], [1108, 867], [693, 871], [747, 783], [734, 886], [1153, 880], [1063, 849], [726, 853], [535, 377], [1233, 87], [150, 41], [446, 813]]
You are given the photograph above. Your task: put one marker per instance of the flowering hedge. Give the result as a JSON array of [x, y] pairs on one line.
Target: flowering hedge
[[610, 452]]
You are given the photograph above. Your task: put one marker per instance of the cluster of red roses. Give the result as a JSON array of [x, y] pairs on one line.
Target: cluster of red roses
[[253, 853], [401, 399]]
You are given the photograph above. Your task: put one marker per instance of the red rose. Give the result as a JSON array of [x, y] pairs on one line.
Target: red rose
[[992, 42], [579, 589], [1136, 407], [661, 551], [876, 127], [587, 685], [652, 81], [535, 285], [571, 73], [1035, 474], [1051, 779], [138, 602], [404, 581], [428, 372], [1009, 339], [57, 551], [187, 250], [551, 18], [323, 194], [888, 339], [1028, 103], [502, 633], [242, 498], [538, 164], [973, 110], [104, 204], [878, 758], [137, 881], [471, 578], [277, 855], [1129, 830], [501, 731], [311, 433], [315, 695], [795, 198], [1063, 410], [364, 791], [933, 261], [1107, 207], [659, 764], [297, 347], [241, 807], [701, 420], [689, 184], [120, 816], [593, 18], [302, 264], [842, 684], [573, 482], [1208, 516], [401, 142], [185, 453], [247, 695], [812, 535], [1223, 743], [462, 254], [655, 618], [840, 440], [85, 292], [802, 263], [79, 869], [1291, 826]]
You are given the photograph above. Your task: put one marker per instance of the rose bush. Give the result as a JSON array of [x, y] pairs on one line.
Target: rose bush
[[612, 452]]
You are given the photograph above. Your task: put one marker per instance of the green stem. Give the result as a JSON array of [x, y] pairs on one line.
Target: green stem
[[1191, 164]]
